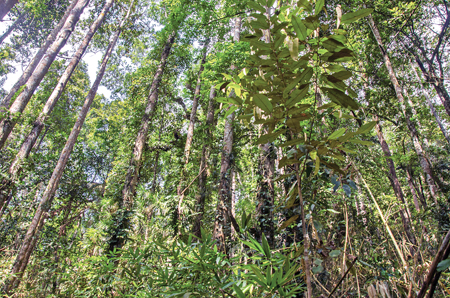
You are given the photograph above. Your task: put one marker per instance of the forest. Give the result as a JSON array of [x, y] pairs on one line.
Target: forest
[[224, 148]]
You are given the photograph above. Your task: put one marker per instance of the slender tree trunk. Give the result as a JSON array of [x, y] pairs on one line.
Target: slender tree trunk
[[222, 224], [200, 202], [411, 126], [47, 197], [132, 177], [7, 124], [190, 132], [430, 105], [37, 58], [438, 83], [396, 185], [12, 27], [38, 125], [413, 190], [6, 6]]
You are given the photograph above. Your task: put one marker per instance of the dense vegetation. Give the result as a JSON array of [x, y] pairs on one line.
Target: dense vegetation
[[254, 148]]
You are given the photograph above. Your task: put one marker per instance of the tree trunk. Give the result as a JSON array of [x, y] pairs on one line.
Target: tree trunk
[[190, 132], [200, 204], [11, 28], [413, 190], [411, 126], [7, 124], [132, 177], [222, 223], [430, 105], [438, 83], [37, 58], [38, 125], [47, 197], [6, 6], [395, 184]]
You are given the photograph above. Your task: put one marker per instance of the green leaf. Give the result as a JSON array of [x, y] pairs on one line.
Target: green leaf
[[319, 6], [341, 98], [270, 137], [337, 134], [305, 4], [297, 96], [303, 77], [299, 28], [256, 6], [238, 291], [443, 265], [354, 16], [317, 270], [366, 127], [265, 246], [230, 110], [223, 99], [263, 103], [341, 75], [335, 253], [237, 88], [289, 222]]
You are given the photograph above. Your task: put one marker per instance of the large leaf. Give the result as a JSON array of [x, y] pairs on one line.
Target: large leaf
[[303, 77], [319, 6], [263, 103], [354, 16], [289, 222], [270, 137], [341, 98], [337, 134], [366, 127], [256, 6], [299, 28], [443, 265]]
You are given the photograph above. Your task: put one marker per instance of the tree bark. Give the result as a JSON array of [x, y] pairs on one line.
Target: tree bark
[[37, 58], [190, 132], [38, 125], [411, 125], [47, 197], [222, 223], [7, 124], [430, 105], [132, 177], [200, 202], [6, 6], [396, 184], [11, 28]]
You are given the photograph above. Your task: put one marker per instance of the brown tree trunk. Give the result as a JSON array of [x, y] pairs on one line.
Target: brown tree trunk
[[396, 184], [413, 190], [47, 197], [222, 223], [7, 124], [411, 125], [132, 177], [37, 58], [38, 125], [431, 106], [12, 27], [200, 202], [6, 6], [190, 132]]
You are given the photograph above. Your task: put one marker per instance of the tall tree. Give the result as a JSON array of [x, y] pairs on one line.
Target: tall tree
[[39, 124], [410, 124], [37, 58], [47, 197], [129, 189], [7, 124], [222, 224], [190, 132], [6, 6]]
